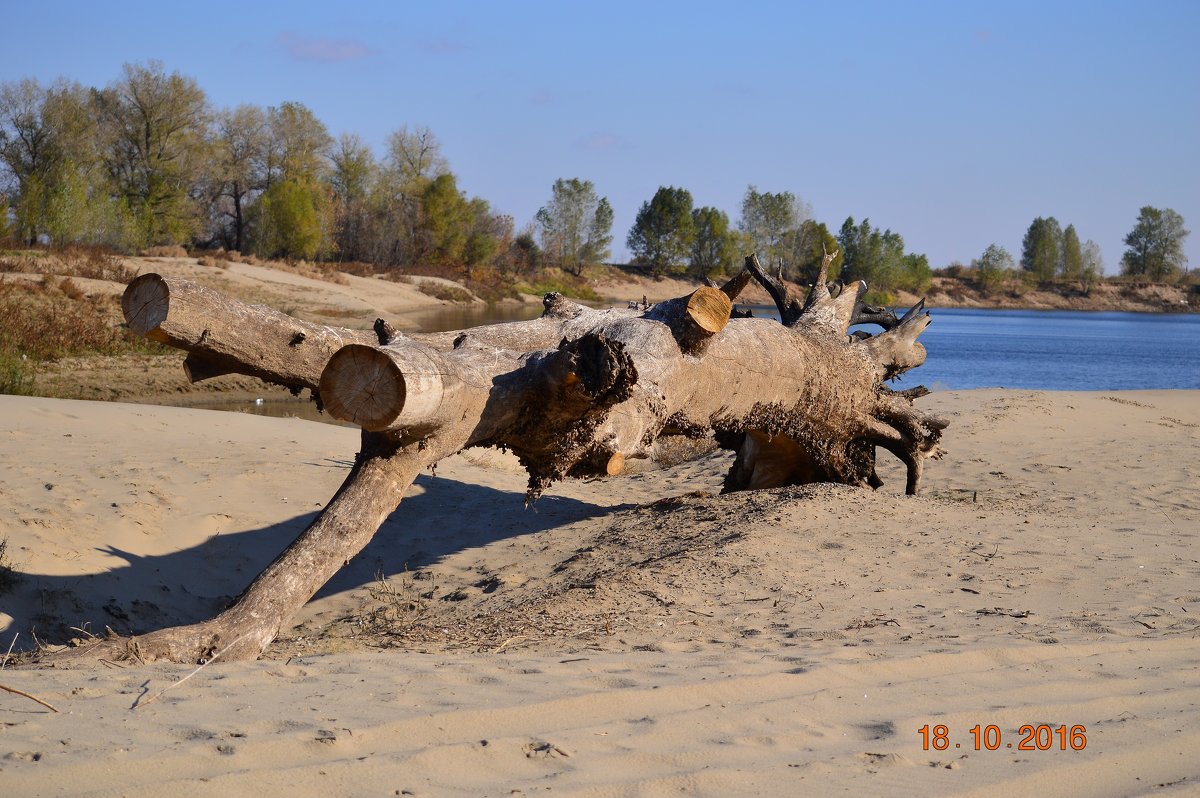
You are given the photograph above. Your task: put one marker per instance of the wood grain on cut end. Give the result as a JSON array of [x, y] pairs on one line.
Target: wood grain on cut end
[[363, 386], [710, 308], [616, 464], [145, 303]]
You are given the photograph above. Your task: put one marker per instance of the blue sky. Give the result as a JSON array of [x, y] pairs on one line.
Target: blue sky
[[952, 123]]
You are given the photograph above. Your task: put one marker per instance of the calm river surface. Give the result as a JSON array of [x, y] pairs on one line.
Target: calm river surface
[[1059, 350]]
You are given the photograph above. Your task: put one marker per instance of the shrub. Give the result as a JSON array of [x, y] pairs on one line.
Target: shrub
[[70, 289], [559, 282], [8, 577], [447, 293], [44, 321], [170, 251], [95, 263], [358, 268], [956, 270], [16, 374], [879, 296]]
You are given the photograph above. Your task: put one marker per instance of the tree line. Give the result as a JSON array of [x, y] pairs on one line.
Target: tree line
[[1051, 254], [147, 161], [670, 236]]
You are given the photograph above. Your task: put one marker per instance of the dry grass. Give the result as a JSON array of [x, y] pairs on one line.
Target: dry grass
[[8, 577], [358, 268], [55, 318], [171, 251], [487, 283], [446, 293], [555, 280], [94, 263]]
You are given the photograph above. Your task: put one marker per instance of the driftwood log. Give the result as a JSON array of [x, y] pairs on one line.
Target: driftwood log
[[577, 392]]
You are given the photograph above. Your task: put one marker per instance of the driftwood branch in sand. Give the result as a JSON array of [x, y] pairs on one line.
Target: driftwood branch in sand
[[576, 392], [24, 694]]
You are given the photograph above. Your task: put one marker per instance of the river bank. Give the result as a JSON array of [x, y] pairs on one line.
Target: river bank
[[420, 303]]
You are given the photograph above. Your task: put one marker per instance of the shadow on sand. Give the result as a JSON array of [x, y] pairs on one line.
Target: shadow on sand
[[149, 592]]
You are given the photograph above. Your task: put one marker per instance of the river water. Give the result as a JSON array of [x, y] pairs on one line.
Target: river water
[[968, 348], [1059, 350]]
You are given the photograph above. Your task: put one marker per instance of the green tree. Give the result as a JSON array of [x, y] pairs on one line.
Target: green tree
[[664, 231], [415, 157], [992, 268], [290, 220], [1091, 267], [915, 275], [488, 236], [48, 163], [239, 155], [298, 145], [715, 246], [767, 218], [29, 152], [523, 253], [576, 225], [393, 233], [1155, 245], [354, 173], [1040, 249], [155, 147], [873, 255], [1071, 258], [806, 247], [446, 222]]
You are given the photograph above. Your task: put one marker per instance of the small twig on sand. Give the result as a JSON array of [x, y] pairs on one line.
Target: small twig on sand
[[509, 641], [10, 648], [139, 703], [27, 695], [986, 556]]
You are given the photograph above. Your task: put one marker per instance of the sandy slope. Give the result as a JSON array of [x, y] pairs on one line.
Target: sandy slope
[[610, 642], [351, 302]]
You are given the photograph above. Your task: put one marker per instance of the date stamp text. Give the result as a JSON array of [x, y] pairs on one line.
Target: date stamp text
[[1042, 737]]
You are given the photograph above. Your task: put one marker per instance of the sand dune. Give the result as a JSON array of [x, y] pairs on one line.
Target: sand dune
[[636, 636]]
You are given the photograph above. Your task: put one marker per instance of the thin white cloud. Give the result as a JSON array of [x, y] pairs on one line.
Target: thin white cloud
[[323, 50]]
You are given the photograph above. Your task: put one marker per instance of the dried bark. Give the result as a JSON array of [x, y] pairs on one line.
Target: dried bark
[[577, 392], [225, 336]]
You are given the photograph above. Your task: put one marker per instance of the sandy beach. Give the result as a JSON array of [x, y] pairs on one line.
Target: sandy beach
[[631, 636]]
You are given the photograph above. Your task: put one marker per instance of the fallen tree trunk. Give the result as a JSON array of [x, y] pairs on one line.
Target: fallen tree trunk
[[577, 392], [225, 336]]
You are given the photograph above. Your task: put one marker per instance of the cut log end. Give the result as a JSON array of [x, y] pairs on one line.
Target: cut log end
[[710, 308], [364, 386], [145, 304], [616, 464]]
